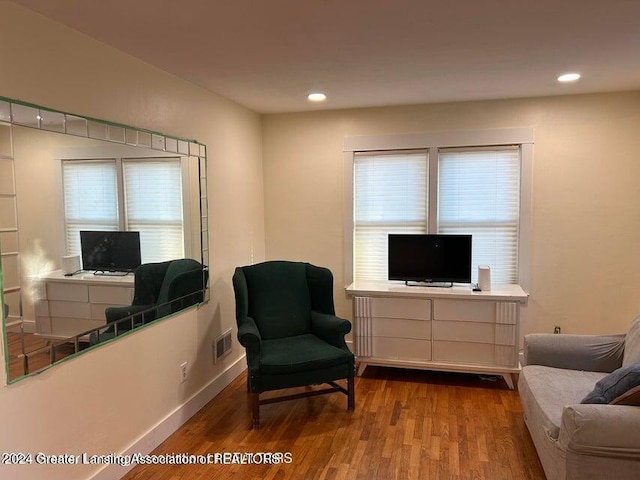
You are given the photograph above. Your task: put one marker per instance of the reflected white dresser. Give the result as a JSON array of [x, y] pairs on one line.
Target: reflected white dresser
[[448, 329], [67, 306]]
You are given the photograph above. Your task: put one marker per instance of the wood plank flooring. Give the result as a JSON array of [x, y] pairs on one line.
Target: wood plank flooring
[[29, 353], [406, 425]]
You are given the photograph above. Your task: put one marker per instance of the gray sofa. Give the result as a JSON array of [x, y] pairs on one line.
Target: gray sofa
[[574, 440]]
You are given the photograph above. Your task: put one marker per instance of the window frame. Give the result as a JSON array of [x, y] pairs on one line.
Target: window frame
[[432, 142]]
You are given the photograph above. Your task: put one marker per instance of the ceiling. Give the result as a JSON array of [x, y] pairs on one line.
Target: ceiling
[[269, 54]]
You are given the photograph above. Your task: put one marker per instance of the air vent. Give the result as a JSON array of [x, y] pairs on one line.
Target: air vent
[[222, 346]]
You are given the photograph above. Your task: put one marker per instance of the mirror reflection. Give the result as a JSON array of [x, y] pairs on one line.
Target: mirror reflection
[[97, 236]]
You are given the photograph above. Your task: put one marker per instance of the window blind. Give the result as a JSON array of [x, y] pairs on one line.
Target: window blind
[[479, 194], [153, 206], [90, 200], [390, 196]]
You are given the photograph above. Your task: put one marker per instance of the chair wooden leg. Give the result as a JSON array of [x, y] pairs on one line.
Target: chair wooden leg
[[255, 409], [248, 382], [351, 394]]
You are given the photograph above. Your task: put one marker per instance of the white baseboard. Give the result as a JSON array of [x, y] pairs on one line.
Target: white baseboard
[[147, 442], [28, 326]]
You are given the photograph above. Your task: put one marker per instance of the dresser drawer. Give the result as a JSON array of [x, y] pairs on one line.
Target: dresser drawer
[[69, 327], [67, 291], [110, 295], [464, 310], [69, 309], [464, 352], [401, 349], [408, 308], [400, 328], [464, 331], [474, 332]]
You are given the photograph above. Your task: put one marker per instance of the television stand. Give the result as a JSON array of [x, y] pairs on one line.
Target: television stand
[[68, 306], [410, 283], [449, 329]]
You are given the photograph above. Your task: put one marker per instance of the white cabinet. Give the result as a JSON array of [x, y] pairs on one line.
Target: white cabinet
[[449, 329], [68, 306]]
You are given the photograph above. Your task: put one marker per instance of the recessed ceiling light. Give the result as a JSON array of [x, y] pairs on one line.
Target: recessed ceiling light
[[317, 97], [569, 77]]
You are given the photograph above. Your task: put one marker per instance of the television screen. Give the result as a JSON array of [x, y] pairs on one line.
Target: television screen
[[430, 258], [110, 251]]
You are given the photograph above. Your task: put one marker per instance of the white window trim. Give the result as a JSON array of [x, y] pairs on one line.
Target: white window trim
[[432, 141]]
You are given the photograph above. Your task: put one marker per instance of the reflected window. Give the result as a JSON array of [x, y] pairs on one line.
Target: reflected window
[[143, 195], [90, 199]]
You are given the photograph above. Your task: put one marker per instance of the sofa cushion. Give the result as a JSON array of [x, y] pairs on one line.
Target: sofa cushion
[[545, 391], [632, 344], [617, 383]]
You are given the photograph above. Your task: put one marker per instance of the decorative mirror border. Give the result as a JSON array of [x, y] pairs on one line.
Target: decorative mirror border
[[35, 116]]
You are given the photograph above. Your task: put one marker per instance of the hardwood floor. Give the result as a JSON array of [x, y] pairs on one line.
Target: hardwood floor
[[29, 353], [406, 425]]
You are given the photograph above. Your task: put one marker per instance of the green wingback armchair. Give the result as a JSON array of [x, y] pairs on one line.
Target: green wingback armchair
[[160, 289], [286, 321]]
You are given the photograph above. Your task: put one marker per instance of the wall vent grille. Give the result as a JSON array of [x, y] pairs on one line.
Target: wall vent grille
[[222, 346]]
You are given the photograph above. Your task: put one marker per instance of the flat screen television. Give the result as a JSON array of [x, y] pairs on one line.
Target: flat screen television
[[110, 251], [430, 258]]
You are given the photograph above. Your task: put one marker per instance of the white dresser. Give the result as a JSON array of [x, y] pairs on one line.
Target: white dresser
[[449, 329], [67, 306]]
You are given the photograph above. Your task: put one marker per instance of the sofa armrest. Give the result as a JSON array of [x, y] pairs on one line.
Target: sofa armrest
[[594, 353], [330, 328], [601, 430]]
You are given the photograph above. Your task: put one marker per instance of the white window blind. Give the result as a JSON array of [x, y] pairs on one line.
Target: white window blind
[[390, 196], [479, 194], [153, 206], [90, 200]]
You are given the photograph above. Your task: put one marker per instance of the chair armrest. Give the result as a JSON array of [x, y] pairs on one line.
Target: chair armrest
[[249, 335], [330, 328], [601, 430], [594, 353]]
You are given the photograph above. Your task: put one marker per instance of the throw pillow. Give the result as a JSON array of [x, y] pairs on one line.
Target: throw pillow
[[616, 384], [630, 397], [632, 344]]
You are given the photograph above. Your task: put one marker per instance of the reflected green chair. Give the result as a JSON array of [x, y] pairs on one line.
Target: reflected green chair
[[160, 289], [287, 324]]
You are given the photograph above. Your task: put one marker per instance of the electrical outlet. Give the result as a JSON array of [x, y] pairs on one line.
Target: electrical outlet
[[557, 330], [183, 372]]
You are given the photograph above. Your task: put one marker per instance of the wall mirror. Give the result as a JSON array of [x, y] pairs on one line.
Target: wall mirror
[[139, 197]]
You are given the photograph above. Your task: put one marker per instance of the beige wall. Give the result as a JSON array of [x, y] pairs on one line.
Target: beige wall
[[585, 267], [103, 401]]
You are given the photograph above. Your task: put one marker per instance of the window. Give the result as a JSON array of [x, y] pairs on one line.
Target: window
[[390, 196], [153, 207], [479, 194], [90, 200], [149, 201], [457, 183]]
